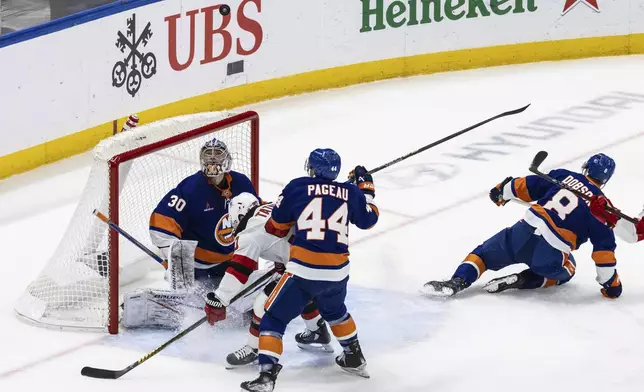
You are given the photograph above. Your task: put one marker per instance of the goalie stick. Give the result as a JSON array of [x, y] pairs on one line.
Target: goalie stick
[[446, 138], [534, 168], [114, 374], [133, 240]]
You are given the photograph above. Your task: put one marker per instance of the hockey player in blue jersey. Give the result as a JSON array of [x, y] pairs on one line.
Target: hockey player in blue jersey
[[320, 209], [197, 210], [556, 224], [190, 226]]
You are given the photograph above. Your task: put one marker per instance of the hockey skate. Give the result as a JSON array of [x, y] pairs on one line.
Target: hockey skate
[[446, 288], [318, 340], [513, 281], [352, 361], [265, 382], [242, 357]]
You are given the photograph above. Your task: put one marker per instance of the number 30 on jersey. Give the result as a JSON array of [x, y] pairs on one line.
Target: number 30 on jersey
[[311, 220]]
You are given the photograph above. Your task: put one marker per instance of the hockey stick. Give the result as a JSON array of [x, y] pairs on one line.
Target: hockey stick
[[534, 168], [446, 138], [114, 374], [133, 240]]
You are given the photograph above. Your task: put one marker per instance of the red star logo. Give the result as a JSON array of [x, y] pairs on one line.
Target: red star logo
[[572, 3]]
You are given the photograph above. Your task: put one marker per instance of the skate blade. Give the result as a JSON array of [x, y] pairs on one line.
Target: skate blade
[[431, 291], [359, 371], [320, 348], [494, 286], [229, 366]]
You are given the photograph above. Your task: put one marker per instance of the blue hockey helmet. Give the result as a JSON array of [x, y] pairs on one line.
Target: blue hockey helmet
[[324, 163], [599, 167]]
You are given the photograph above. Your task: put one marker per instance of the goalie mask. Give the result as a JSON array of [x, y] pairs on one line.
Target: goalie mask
[[215, 159], [239, 207]]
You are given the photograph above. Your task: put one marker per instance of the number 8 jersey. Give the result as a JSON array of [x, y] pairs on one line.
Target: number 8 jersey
[[562, 218], [320, 210]]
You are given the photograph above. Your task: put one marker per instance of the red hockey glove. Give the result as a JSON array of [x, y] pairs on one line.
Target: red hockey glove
[[215, 309], [598, 206], [639, 229], [613, 287], [496, 193]]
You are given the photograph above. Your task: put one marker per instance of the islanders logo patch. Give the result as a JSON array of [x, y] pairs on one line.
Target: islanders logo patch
[[224, 231]]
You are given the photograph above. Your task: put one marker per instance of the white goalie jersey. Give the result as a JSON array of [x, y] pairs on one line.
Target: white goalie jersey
[[252, 242]]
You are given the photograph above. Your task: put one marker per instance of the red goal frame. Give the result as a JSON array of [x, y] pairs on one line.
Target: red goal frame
[[250, 116]]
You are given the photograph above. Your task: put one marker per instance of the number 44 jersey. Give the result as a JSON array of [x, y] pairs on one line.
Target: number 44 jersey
[[320, 211], [562, 218]]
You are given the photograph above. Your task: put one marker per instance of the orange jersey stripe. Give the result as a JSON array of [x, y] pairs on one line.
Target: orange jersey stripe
[[375, 209], [276, 291], [282, 226], [520, 188], [315, 258], [271, 344], [549, 283], [602, 257], [344, 329], [280, 230], [569, 265], [166, 223], [566, 234], [211, 257]]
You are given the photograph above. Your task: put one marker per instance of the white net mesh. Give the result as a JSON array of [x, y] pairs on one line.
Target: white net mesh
[[73, 288]]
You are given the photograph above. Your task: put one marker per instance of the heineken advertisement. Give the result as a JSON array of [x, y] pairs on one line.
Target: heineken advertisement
[[182, 56], [378, 16]]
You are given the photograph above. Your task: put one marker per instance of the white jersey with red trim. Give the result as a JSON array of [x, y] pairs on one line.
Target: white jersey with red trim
[[252, 242]]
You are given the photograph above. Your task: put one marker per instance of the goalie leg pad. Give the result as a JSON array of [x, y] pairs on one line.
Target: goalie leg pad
[[181, 265], [153, 309]]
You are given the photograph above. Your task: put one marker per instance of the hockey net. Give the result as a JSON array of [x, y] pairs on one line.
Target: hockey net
[[131, 172]]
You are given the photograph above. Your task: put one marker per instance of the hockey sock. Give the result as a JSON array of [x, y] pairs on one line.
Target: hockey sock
[[344, 330], [270, 348], [311, 316], [253, 332], [471, 269]]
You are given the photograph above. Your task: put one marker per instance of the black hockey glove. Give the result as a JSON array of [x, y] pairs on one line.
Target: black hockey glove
[[280, 268], [496, 193], [363, 180], [613, 287]]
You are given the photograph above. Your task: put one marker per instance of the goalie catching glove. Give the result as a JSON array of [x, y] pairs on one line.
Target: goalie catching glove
[[215, 309]]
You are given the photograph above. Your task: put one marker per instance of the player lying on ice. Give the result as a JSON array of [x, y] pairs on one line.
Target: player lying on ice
[[182, 227], [558, 223], [317, 210], [253, 242]]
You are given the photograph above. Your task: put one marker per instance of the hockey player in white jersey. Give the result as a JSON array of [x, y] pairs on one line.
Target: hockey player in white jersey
[[252, 242], [624, 229]]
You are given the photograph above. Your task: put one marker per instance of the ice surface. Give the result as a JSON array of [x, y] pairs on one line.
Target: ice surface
[[434, 211]]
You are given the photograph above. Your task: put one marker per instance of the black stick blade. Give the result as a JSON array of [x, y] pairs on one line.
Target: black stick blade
[[100, 373], [538, 160], [517, 111]]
